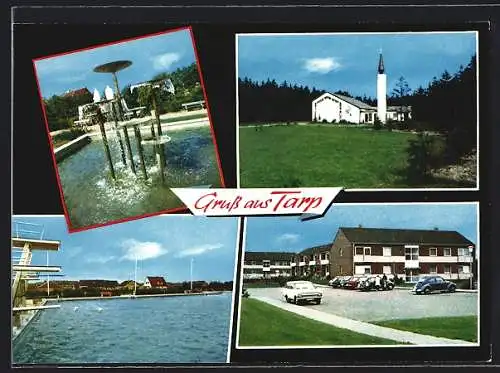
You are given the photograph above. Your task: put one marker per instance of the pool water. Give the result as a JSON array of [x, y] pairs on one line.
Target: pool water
[[185, 329], [93, 197]]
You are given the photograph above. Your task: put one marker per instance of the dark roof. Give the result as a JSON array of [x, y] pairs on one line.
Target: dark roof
[[404, 236], [156, 281], [266, 255], [316, 249], [353, 101], [98, 283], [403, 109]]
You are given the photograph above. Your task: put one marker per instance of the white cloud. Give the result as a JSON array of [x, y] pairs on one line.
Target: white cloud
[[99, 259], [141, 250], [165, 60], [321, 65], [73, 251], [198, 250], [288, 238]]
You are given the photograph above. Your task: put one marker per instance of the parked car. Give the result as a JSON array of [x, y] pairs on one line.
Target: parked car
[[298, 292], [370, 283], [352, 283], [338, 281], [433, 284]]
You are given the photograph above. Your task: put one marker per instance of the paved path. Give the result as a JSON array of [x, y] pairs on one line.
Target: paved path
[[363, 327]]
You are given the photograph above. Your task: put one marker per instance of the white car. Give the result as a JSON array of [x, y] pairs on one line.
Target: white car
[[298, 292]]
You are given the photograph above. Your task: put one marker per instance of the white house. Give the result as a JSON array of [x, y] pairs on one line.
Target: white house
[[332, 107]]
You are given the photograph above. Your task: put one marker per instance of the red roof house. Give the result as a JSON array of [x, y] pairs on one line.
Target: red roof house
[[155, 282]]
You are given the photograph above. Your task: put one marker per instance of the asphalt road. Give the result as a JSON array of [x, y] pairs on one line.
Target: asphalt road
[[386, 305]]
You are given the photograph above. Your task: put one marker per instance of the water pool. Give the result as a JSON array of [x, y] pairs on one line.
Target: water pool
[[93, 197], [186, 329]]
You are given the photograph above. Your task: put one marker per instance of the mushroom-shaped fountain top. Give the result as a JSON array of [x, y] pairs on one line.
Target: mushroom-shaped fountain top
[[112, 67]]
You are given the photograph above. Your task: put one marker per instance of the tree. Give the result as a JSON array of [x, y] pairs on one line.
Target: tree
[[401, 89], [400, 94]]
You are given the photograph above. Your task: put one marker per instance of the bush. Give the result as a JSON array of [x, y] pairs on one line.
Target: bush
[[424, 153], [462, 283], [377, 124], [391, 124]]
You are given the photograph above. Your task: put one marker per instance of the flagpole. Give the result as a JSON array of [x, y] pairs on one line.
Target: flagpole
[[135, 276], [191, 274]]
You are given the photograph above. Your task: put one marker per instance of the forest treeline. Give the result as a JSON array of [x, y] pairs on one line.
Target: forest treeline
[[446, 105]]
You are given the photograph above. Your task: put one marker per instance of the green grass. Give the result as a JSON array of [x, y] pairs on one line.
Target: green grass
[[264, 325], [460, 327], [312, 155]]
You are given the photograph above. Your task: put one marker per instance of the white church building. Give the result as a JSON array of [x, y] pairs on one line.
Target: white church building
[[332, 107]]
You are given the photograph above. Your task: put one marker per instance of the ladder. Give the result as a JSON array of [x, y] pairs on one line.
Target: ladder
[[25, 259]]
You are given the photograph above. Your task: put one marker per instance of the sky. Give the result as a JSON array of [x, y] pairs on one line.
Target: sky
[[289, 234], [164, 246], [149, 55], [349, 62]]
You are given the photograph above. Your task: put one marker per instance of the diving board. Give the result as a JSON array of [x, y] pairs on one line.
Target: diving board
[[34, 308], [30, 268], [18, 242]]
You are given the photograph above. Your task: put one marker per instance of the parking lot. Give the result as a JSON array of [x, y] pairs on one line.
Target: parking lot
[[385, 305]]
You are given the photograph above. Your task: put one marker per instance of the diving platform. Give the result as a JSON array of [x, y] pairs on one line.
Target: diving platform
[[35, 308], [18, 242], [35, 269]]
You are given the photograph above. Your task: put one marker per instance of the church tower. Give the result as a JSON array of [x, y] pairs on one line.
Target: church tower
[[381, 90]]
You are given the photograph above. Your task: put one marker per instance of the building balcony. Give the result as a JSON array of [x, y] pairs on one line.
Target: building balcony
[[465, 259], [253, 266], [378, 259], [412, 264], [444, 259]]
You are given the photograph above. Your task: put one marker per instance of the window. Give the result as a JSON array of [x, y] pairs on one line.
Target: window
[[433, 269], [368, 270], [464, 269], [322, 256], [387, 251], [359, 251], [447, 251], [387, 270], [411, 253], [266, 263], [368, 250], [447, 269], [340, 269], [433, 251], [463, 251], [341, 252]]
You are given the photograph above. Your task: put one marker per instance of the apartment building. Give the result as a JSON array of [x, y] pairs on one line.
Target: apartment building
[[409, 253]]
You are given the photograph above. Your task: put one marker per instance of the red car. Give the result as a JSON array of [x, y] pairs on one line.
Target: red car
[[352, 283]]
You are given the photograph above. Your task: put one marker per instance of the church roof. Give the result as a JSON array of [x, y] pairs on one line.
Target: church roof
[[353, 101], [359, 104]]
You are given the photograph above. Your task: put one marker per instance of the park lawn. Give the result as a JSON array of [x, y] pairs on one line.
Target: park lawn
[[459, 327], [264, 325], [312, 155]]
